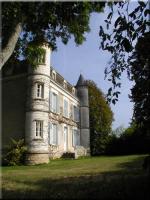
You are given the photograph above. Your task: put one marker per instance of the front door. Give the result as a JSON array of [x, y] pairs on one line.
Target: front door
[[65, 138]]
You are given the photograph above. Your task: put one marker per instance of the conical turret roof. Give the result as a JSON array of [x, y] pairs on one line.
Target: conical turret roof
[[81, 81]]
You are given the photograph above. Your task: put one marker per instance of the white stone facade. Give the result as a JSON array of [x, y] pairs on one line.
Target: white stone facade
[[56, 114]]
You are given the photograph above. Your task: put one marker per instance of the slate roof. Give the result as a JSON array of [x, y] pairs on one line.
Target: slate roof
[[81, 81]]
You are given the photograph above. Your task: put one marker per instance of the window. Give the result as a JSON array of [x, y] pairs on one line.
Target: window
[[65, 85], [39, 128], [53, 76], [41, 58], [76, 113], [73, 90], [76, 137], [53, 134], [65, 108], [71, 111], [40, 90], [54, 102]]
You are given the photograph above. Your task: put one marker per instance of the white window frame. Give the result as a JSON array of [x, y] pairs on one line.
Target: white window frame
[[40, 90], [38, 128], [51, 134]]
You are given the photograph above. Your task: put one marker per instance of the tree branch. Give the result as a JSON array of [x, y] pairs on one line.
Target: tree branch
[[8, 50]]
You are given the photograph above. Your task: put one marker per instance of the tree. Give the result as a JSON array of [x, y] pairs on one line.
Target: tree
[[119, 38], [101, 118], [118, 131], [141, 90], [128, 141], [40, 22]]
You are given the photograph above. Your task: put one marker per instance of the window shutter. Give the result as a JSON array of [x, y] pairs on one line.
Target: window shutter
[[71, 111], [77, 114], [73, 137], [54, 102], [50, 133], [54, 134], [59, 135], [78, 132], [50, 100], [48, 130], [58, 106]]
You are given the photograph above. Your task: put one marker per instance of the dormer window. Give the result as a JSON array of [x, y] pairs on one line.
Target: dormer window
[[65, 84], [53, 76], [73, 91], [40, 90]]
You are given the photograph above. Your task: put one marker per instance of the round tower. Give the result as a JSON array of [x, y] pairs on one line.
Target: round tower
[[37, 110], [82, 93]]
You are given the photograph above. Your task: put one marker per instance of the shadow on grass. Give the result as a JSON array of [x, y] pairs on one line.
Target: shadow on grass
[[128, 182]]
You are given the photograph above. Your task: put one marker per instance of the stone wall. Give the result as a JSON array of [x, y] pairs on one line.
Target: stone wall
[[80, 151]]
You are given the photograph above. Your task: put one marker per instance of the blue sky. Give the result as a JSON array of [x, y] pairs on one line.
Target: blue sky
[[71, 60]]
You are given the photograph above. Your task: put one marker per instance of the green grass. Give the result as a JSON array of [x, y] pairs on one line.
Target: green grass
[[119, 177]]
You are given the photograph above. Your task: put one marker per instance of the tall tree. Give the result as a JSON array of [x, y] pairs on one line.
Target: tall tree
[[141, 90], [42, 22], [101, 118]]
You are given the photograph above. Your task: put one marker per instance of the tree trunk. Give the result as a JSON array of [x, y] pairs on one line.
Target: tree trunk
[[8, 50]]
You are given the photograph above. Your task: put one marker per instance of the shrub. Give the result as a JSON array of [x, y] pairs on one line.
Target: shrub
[[68, 155], [15, 153]]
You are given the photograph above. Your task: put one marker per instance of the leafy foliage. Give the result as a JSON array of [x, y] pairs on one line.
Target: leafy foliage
[[46, 21], [15, 153], [119, 38], [101, 118], [118, 131], [32, 53], [141, 90], [130, 141], [68, 155]]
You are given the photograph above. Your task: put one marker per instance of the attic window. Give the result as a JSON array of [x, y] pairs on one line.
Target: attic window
[[73, 90], [65, 84], [53, 76]]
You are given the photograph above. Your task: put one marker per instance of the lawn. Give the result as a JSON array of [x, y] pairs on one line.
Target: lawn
[[116, 177]]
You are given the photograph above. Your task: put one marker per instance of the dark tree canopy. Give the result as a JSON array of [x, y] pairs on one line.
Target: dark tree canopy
[[101, 117], [42, 22], [141, 90]]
